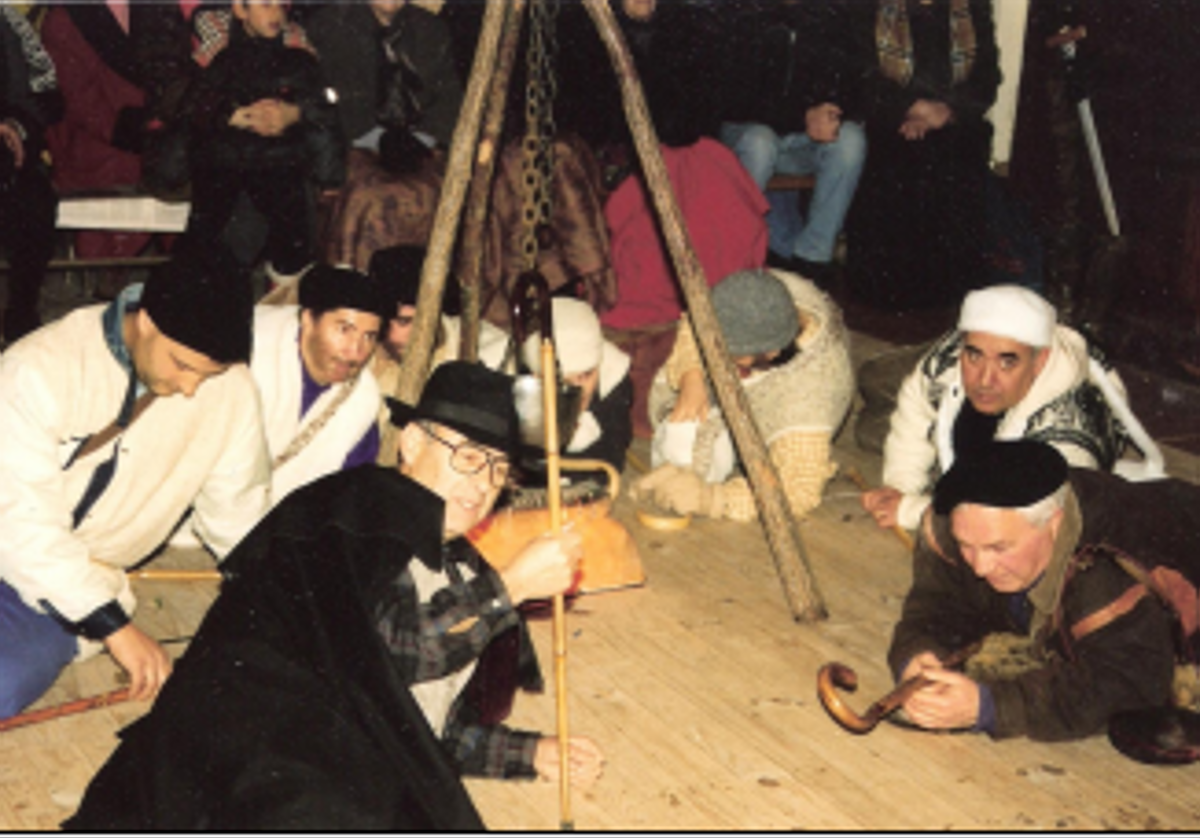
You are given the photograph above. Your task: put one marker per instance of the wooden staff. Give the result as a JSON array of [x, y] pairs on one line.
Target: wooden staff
[[168, 575], [471, 243], [68, 709], [554, 498], [787, 549], [858, 480]]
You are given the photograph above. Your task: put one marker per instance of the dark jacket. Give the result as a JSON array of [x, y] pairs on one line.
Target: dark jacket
[[31, 109], [886, 102], [785, 58], [348, 39], [250, 69], [1107, 642], [288, 711], [676, 63]]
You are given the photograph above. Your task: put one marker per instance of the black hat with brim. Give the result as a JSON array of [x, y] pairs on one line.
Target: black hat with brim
[[470, 398], [1007, 474], [202, 300]]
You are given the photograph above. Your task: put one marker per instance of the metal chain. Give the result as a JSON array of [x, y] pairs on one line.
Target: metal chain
[[537, 149]]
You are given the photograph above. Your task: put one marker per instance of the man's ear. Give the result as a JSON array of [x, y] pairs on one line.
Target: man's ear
[[412, 442], [239, 9]]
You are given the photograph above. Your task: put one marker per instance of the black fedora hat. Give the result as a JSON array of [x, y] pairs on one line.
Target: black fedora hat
[[470, 398]]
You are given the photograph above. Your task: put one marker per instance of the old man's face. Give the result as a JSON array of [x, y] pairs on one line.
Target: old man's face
[[1002, 547], [997, 372]]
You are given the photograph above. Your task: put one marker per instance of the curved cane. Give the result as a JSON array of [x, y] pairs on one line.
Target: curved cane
[[834, 676]]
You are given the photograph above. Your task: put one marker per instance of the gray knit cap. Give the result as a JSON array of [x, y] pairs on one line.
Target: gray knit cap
[[756, 312]]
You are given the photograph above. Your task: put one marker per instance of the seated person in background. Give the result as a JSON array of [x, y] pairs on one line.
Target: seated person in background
[[114, 420], [599, 369], [1018, 543], [790, 347], [794, 121], [312, 366], [263, 123], [29, 101], [357, 614], [1007, 372], [392, 64], [98, 143]]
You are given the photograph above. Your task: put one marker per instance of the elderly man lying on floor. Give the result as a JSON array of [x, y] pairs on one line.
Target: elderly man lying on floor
[[338, 682], [1079, 561]]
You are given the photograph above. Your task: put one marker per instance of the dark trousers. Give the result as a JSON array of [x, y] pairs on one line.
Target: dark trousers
[[281, 195], [28, 209]]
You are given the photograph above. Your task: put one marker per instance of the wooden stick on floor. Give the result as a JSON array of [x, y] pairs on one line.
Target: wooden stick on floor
[[70, 708]]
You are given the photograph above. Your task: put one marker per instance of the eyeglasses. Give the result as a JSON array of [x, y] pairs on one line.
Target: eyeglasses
[[469, 458]]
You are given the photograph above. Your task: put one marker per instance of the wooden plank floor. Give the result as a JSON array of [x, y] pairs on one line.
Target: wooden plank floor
[[701, 690]]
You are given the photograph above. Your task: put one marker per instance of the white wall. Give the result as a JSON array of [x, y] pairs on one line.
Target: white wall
[[1010, 16]]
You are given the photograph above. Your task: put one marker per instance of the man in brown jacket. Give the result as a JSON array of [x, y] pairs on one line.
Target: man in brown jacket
[[1081, 562]]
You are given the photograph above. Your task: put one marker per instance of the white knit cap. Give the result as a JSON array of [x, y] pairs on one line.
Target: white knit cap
[[578, 343], [1009, 311]]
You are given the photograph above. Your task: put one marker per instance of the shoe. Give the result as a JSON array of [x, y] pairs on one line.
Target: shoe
[[822, 274]]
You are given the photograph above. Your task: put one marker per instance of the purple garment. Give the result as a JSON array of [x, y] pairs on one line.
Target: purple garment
[[366, 449]]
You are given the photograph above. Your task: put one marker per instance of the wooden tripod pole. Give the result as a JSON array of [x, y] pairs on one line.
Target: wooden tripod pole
[[415, 367], [787, 549], [554, 498], [471, 241]]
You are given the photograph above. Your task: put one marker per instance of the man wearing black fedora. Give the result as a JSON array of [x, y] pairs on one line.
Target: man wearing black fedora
[[334, 684]]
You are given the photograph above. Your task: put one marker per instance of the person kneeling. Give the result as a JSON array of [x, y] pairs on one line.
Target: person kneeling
[[789, 346]]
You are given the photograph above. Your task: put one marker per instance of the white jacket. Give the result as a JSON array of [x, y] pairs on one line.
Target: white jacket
[[61, 384], [276, 366], [1072, 403]]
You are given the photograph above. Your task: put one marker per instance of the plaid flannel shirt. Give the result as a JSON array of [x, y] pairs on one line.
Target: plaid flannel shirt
[[431, 639]]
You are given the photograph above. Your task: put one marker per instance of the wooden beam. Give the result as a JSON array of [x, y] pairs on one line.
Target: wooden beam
[[787, 549]]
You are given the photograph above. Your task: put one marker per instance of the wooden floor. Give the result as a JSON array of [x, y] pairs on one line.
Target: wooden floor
[[701, 690]]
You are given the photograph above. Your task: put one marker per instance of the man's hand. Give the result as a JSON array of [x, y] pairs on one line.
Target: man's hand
[[275, 117], [822, 122], [146, 662], [13, 140], [587, 761], [884, 506], [544, 568], [692, 404], [925, 115], [266, 117], [951, 702]]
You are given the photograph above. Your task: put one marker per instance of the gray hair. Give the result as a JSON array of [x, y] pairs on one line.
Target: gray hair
[[1039, 513]]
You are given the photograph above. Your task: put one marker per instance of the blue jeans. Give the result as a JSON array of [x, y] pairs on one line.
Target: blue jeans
[[836, 165], [34, 649]]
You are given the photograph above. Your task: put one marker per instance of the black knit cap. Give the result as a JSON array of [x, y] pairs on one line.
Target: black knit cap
[[326, 288], [399, 269], [470, 398], [1005, 474], [202, 299]]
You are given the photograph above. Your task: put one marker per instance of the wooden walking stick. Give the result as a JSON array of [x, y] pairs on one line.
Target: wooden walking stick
[[834, 676], [787, 550], [858, 480], [70, 708]]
